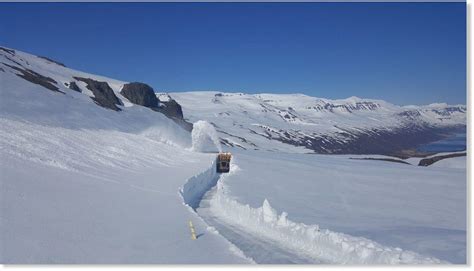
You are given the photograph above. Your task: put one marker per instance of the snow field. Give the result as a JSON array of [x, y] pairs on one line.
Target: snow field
[[306, 240]]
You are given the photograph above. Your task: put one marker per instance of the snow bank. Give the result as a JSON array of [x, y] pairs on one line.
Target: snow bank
[[305, 240], [196, 186], [205, 138], [309, 240]]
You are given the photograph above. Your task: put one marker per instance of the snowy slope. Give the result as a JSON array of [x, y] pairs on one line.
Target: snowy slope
[[455, 162], [86, 184], [300, 123]]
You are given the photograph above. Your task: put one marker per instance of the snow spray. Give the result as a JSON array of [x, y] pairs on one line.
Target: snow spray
[[205, 138]]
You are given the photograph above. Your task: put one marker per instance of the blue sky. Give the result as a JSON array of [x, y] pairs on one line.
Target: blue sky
[[405, 53]]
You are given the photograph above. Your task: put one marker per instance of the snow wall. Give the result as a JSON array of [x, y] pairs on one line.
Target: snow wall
[[195, 187], [306, 240]]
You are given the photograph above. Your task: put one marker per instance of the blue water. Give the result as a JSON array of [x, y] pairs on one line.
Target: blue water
[[457, 142]]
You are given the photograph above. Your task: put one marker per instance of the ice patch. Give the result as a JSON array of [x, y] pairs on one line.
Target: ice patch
[[205, 138]]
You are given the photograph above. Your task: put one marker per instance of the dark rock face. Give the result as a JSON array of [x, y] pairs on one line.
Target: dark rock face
[[429, 161], [238, 137], [74, 86], [36, 78], [14, 61], [358, 106], [52, 61], [449, 110], [442, 113], [141, 94], [144, 95], [410, 114], [171, 109], [103, 94], [227, 143], [372, 141]]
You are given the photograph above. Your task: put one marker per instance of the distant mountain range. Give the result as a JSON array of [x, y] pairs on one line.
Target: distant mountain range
[[351, 125], [278, 122]]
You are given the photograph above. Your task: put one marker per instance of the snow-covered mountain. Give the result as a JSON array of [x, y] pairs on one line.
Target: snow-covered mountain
[[292, 122], [96, 170], [352, 125], [18, 69]]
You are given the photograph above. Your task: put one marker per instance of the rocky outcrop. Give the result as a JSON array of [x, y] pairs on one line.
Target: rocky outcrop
[[170, 107], [141, 94], [72, 85], [357, 106], [35, 78], [429, 161], [358, 141], [103, 94], [144, 95]]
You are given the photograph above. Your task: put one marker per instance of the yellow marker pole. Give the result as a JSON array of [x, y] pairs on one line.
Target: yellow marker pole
[[193, 232]]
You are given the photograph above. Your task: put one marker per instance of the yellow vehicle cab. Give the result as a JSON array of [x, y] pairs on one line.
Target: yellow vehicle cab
[[223, 162]]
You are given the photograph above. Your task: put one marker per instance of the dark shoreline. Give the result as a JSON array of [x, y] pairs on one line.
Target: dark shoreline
[[429, 161], [423, 162], [415, 152]]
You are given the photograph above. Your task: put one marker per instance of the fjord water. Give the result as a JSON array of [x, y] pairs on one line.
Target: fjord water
[[456, 142]]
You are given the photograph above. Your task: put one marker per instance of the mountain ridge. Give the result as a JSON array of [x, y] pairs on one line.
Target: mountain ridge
[[362, 126], [282, 122]]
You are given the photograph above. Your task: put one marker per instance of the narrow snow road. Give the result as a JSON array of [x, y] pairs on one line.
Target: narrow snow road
[[271, 238], [261, 250]]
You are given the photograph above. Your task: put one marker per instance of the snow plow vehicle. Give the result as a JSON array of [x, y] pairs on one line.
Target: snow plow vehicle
[[223, 162]]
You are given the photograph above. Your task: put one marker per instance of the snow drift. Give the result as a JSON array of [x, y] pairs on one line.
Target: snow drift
[[308, 240]]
